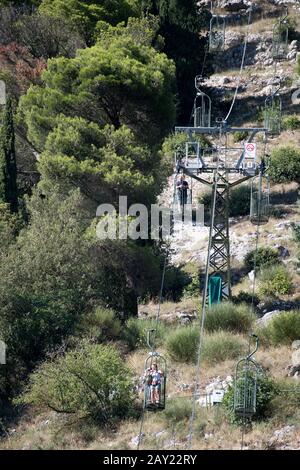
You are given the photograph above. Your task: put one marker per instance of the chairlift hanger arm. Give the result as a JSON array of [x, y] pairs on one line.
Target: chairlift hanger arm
[[286, 14], [256, 346]]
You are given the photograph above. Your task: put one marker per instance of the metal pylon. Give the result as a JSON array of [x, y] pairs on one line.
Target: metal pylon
[[219, 256]]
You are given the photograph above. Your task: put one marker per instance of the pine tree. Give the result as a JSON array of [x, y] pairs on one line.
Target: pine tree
[[8, 166]]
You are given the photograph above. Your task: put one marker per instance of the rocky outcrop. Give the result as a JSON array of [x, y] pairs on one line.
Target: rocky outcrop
[[294, 367]]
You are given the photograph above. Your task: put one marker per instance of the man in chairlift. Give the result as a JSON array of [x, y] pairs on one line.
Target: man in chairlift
[[182, 190], [153, 378]]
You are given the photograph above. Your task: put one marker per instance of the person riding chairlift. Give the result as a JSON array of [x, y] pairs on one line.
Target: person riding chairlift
[[153, 379]]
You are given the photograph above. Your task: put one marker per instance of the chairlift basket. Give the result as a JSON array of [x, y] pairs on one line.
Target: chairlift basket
[[273, 114], [280, 39], [259, 203], [245, 385], [217, 33], [155, 393]]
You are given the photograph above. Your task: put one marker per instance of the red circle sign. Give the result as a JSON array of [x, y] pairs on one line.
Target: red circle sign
[[250, 147]]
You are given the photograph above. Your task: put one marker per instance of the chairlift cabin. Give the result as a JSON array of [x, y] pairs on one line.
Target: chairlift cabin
[[155, 387], [259, 203], [280, 38], [155, 378], [202, 110], [245, 386], [273, 113], [217, 33]]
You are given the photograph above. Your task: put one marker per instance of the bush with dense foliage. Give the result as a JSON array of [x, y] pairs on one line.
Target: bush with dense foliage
[[101, 324], [134, 333], [230, 317], [84, 15], [182, 343], [177, 411], [239, 201], [275, 281], [282, 329], [285, 164], [260, 258], [90, 381], [245, 298], [285, 405], [220, 346], [192, 289], [239, 136], [291, 122]]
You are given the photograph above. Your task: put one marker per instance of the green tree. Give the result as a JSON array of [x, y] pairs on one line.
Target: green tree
[[7, 3], [115, 82], [56, 272], [84, 15], [8, 176], [91, 381], [104, 163], [285, 164], [99, 118]]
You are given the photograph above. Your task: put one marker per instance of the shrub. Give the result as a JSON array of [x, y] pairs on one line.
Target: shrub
[[230, 317], [266, 390], [239, 136], [264, 256], [291, 122], [220, 346], [100, 325], [135, 332], [239, 201], [285, 164], [285, 406], [193, 288], [246, 298], [178, 410], [275, 281], [182, 343], [91, 381], [175, 282], [282, 329]]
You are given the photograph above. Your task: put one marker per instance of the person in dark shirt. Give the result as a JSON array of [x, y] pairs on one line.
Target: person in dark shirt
[[182, 190]]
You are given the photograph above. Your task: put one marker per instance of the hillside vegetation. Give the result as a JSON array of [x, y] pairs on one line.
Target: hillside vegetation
[[93, 92]]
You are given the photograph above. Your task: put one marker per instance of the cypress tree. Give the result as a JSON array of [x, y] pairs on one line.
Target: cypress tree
[[8, 165]]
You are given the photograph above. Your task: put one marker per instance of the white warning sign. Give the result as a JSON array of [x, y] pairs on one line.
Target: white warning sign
[[250, 150]]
